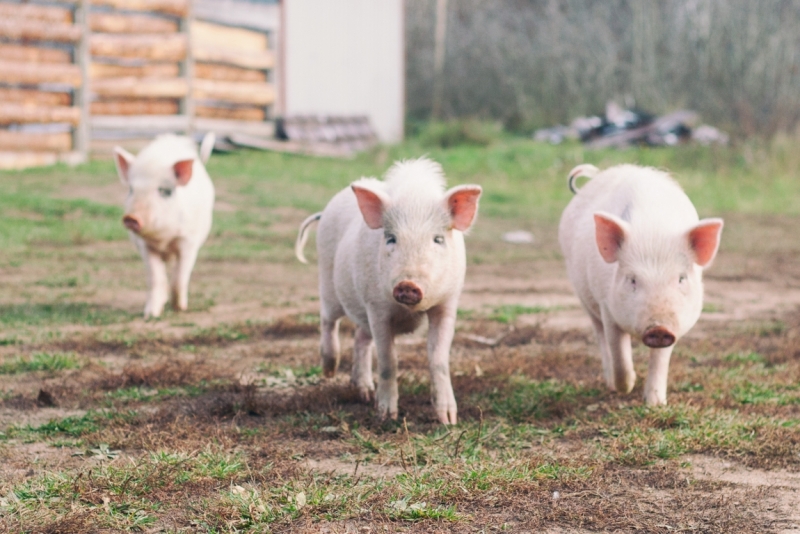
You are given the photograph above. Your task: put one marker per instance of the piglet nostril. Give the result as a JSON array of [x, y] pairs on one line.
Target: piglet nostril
[[658, 337], [132, 223], [407, 293]]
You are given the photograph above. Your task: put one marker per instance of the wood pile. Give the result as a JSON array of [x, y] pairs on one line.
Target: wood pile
[[313, 135], [87, 74], [164, 70], [138, 63], [40, 84]]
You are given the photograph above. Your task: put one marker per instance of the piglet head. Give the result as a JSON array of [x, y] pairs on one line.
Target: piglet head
[[151, 192], [657, 288], [421, 243]]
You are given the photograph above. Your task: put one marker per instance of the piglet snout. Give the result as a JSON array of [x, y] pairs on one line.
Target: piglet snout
[[658, 337], [132, 223], [407, 293]]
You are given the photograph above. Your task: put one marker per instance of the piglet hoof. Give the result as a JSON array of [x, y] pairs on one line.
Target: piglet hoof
[[447, 417], [384, 412], [329, 368], [366, 394], [652, 398], [625, 382]]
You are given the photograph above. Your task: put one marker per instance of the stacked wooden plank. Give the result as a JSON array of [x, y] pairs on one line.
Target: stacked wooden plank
[[85, 75], [230, 86], [39, 82], [138, 70]]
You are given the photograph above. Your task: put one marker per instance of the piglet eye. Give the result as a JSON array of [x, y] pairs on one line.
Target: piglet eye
[[439, 240], [633, 281], [390, 239], [682, 279], [165, 192]]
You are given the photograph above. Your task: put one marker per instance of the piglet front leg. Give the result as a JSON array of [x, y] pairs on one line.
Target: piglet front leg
[[157, 282], [442, 323], [387, 394], [655, 386]]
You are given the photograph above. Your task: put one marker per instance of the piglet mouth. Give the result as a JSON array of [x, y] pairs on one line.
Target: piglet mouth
[[132, 223], [407, 293], [658, 337]]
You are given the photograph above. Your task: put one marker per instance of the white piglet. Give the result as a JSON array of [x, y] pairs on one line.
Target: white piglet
[[635, 251], [168, 212], [391, 252]]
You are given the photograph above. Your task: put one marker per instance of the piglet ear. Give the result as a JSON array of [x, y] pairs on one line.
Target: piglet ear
[[462, 204], [704, 240], [372, 205], [183, 171], [610, 233], [123, 160]]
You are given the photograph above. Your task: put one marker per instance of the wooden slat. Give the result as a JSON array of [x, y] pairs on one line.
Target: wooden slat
[[35, 73], [141, 87], [212, 71], [149, 106], [226, 127], [33, 54], [25, 160], [104, 148], [150, 123], [35, 30], [36, 12], [152, 70], [18, 113], [150, 47], [264, 17], [122, 23], [35, 141], [238, 113], [176, 8], [248, 60], [329, 150], [32, 97], [237, 92], [214, 35]]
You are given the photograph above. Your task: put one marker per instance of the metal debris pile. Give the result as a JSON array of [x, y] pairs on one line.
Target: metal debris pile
[[620, 127]]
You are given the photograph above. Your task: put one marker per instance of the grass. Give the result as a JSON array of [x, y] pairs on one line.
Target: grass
[[212, 421], [509, 313], [60, 313], [40, 361]]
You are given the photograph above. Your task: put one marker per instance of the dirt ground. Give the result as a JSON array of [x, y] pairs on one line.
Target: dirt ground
[[250, 322]]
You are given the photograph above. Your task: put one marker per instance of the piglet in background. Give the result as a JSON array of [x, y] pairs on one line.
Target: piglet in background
[[391, 252], [167, 212], [635, 251]]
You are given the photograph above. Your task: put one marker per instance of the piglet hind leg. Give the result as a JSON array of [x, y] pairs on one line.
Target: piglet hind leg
[[655, 387], [329, 349], [619, 345], [442, 322], [361, 377], [605, 354]]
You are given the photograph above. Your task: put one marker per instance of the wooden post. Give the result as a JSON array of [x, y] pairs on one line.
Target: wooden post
[[81, 139], [438, 58], [187, 103]]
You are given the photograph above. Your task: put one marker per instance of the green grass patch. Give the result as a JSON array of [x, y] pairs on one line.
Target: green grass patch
[[61, 313], [510, 312], [40, 361], [760, 393], [529, 400]]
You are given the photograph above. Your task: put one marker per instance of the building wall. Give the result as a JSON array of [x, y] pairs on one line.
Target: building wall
[[346, 57]]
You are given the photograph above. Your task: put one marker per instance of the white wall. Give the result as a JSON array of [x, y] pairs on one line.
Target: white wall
[[346, 57]]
